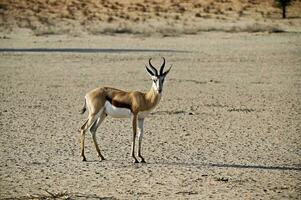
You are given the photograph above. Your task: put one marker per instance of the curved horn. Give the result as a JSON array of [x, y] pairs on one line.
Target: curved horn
[[152, 67], [162, 66], [149, 71], [166, 72]]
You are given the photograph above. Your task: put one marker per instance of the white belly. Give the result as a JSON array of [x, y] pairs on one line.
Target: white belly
[[117, 112]]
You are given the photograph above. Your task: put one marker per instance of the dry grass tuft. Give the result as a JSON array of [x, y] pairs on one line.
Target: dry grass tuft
[[172, 30], [47, 196], [59, 196]]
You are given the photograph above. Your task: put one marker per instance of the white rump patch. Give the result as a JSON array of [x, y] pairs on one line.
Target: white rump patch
[[116, 112]]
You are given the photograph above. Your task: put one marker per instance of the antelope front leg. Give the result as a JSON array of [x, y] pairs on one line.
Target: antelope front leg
[[134, 137], [82, 144], [140, 136]]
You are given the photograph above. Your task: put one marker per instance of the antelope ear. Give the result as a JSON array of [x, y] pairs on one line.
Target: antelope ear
[[154, 78], [167, 71], [150, 72]]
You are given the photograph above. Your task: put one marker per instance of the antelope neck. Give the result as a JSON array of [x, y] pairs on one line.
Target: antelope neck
[[153, 97]]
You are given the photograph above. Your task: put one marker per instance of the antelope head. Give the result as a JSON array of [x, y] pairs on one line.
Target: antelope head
[[157, 78]]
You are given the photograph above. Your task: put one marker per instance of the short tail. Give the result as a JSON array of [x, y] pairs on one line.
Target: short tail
[[83, 110]]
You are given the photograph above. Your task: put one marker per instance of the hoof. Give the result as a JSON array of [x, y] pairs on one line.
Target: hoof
[[136, 161], [84, 159], [101, 158], [142, 159]]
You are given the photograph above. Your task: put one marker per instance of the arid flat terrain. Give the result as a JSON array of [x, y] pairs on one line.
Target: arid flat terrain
[[227, 127]]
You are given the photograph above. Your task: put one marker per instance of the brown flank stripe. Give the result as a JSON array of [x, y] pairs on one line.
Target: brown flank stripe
[[119, 104]]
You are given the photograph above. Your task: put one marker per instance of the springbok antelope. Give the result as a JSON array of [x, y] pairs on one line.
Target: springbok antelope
[[116, 103]]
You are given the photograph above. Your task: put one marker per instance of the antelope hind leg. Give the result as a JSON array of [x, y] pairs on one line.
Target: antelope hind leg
[[93, 129]]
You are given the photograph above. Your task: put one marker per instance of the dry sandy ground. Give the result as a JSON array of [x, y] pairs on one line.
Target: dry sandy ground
[[228, 126]]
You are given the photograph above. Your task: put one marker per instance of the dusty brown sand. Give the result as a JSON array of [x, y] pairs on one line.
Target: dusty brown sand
[[228, 126]]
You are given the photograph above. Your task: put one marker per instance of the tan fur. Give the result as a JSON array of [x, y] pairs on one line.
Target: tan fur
[[139, 101]]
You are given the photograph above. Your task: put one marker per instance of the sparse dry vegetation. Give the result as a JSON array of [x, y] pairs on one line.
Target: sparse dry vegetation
[[110, 17], [47, 195]]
